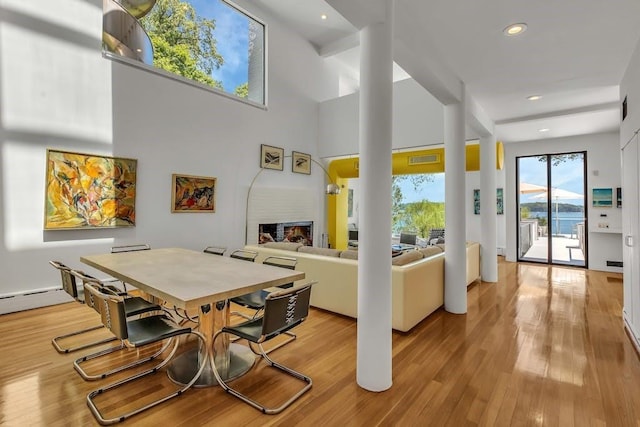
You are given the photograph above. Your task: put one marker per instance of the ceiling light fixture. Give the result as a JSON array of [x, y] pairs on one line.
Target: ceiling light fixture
[[323, 17], [543, 130], [534, 97], [515, 29]]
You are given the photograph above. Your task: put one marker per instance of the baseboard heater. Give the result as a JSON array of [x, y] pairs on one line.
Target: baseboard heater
[[26, 300], [614, 263]]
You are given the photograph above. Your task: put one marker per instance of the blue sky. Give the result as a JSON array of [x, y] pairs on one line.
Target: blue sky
[[232, 35], [568, 175], [431, 191]]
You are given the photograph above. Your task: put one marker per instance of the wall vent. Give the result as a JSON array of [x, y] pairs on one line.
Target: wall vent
[[614, 263], [427, 159]]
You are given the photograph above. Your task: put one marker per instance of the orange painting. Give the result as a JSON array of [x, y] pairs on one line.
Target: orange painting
[[89, 191], [193, 194]]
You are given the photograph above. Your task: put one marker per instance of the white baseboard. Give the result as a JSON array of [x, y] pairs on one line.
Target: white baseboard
[[635, 338], [32, 299]]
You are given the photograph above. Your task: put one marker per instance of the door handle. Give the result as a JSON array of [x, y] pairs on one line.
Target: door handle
[[628, 240]]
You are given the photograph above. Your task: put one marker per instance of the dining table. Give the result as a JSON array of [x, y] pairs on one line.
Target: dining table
[[196, 282]]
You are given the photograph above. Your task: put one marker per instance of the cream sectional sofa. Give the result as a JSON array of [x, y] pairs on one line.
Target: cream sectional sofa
[[417, 281]]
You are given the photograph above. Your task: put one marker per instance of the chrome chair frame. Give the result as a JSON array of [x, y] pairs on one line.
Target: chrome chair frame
[[283, 310], [70, 286], [133, 306], [138, 333]]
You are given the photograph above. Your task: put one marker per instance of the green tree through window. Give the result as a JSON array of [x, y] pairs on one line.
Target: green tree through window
[[183, 41]]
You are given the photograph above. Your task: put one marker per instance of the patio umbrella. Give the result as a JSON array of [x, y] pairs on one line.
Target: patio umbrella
[[556, 195], [526, 188]]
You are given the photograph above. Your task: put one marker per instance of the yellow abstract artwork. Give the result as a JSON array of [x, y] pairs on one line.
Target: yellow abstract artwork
[[89, 191]]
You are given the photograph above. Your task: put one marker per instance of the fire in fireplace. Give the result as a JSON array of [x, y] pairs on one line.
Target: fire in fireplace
[[297, 232]]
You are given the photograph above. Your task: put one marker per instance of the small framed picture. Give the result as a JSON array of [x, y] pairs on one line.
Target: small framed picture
[[301, 163], [193, 193], [271, 157], [476, 202]]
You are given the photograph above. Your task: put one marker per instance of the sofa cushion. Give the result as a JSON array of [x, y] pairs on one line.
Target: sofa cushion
[[406, 257], [348, 254], [430, 251], [287, 246], [319, 251]]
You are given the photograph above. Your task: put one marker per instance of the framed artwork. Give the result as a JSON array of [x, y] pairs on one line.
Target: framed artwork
[[301, 163], [499, 201], [193, 193], [271, 157], [618, 197], [602, 197], [476, 201], [88, 191]]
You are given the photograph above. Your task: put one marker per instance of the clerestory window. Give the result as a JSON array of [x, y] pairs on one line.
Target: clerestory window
[[212, 44]]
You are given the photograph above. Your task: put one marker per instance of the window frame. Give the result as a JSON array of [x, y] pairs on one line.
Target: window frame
[[161, 72]]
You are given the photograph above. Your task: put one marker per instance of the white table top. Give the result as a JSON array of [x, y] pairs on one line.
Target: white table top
[[189, 279]]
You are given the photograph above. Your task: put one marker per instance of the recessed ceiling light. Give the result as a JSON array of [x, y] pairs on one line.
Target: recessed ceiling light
[[323, 17], [543, 130], [515, 29], [138, 50], [534, 97]]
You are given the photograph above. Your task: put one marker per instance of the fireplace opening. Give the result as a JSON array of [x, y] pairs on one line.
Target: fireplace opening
[[295, 232]]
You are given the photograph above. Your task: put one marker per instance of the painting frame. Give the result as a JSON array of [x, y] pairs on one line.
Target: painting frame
[[602, 197], [193, 193], [300, 163], [271, 157], [88, 191]]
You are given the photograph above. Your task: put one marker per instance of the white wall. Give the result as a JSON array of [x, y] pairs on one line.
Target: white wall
[[474, 225], [57, 91], [603, 158], [418, 120]]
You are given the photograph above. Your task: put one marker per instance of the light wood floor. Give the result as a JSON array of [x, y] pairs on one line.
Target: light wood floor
[[544, 346]]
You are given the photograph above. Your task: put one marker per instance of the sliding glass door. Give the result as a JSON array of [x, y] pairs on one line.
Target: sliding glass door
[[552, 220]]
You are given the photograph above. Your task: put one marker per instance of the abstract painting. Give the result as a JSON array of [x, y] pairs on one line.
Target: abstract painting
[[85, 191], [193, 193]]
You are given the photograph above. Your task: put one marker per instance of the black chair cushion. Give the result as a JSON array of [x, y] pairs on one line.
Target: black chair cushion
[[251, 330], [136, 305], [147, 330], [254, 300]]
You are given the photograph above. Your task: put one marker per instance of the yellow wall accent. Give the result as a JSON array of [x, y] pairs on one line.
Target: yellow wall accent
[[342, 169]]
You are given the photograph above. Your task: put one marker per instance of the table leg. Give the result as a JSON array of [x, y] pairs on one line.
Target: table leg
[[232, 360]]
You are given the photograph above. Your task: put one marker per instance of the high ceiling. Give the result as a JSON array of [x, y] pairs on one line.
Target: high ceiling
[[573, 54]]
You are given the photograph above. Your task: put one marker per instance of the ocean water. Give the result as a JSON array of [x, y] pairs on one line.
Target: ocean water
[[566, 223]]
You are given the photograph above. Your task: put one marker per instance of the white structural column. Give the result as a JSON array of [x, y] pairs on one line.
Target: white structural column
[[374, 262], [488, 209], [455, 261]]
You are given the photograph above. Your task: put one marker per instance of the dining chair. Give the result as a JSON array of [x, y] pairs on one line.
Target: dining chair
[[256, 300], [70, 286], [244, 255], [130, 248], [136, 334], [133, 306], [283, 310], [215, 250]]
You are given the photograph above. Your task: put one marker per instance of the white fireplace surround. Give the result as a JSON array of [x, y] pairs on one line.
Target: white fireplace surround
[[274, 205]]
